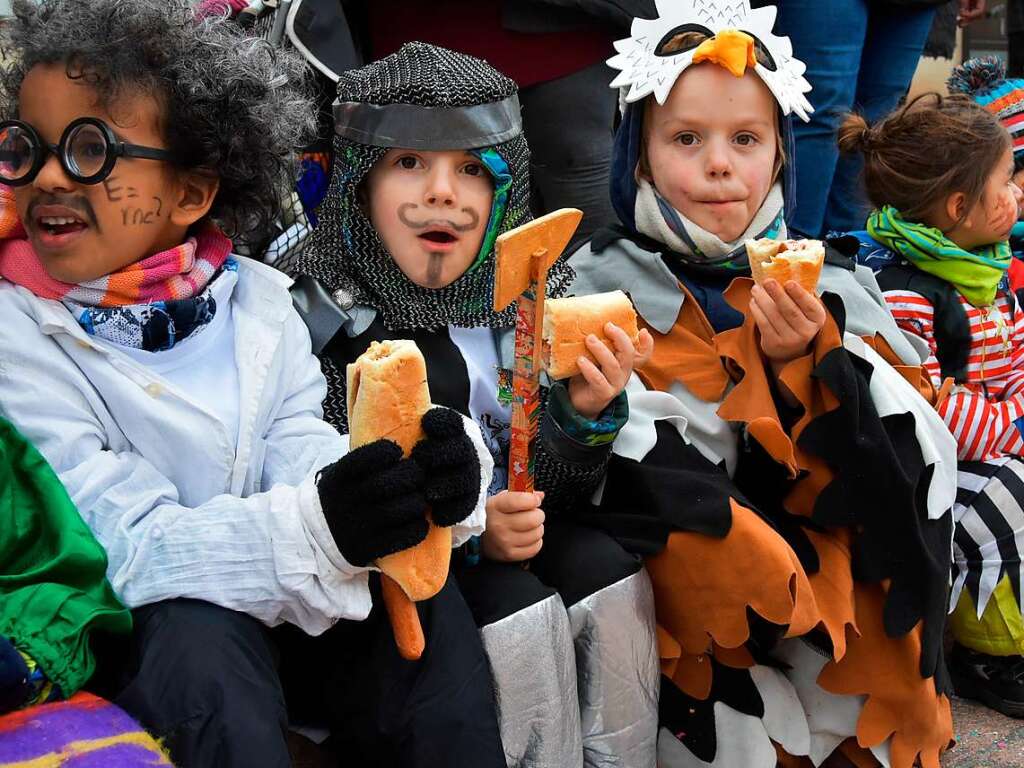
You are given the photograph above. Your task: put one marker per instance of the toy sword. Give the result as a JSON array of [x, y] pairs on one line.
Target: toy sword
[[524, 256]]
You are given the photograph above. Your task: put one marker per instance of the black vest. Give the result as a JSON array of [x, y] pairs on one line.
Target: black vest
[[951, 327]]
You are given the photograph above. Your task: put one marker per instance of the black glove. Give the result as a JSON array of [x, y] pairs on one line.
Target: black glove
[[373, 501], [450, 465]]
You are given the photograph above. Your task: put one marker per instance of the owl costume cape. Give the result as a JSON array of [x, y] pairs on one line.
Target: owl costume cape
[[576, 680], [800, 556]]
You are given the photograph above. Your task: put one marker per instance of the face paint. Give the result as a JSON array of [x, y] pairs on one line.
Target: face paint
[[77, 203], [425, 207], [992, 217], [474, 219], [110, 225], [435, 267]]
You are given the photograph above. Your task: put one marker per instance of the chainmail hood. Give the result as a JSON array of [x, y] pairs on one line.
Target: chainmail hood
[[425, 97]]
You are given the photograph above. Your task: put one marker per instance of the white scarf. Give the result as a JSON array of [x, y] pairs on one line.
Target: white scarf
[[656, 218]]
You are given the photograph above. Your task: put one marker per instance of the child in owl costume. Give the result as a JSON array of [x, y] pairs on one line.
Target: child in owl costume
[[789, 488]]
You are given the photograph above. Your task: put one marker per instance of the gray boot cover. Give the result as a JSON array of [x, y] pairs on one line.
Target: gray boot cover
[[618, 675], [531, 655]]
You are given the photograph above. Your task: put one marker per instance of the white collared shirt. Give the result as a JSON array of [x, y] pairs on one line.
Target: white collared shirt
[[202, 366], [184, 505]]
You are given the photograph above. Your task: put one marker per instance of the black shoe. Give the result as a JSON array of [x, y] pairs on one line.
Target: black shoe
[[995, 681]]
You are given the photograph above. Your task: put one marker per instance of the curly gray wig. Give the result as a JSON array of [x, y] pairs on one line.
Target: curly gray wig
[[233, 105]]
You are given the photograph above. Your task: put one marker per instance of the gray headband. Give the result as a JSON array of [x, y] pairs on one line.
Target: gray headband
[[429, 128]]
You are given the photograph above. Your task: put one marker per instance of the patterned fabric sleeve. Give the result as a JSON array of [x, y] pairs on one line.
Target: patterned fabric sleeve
[[983, 426], [572, 452], [983, 430]]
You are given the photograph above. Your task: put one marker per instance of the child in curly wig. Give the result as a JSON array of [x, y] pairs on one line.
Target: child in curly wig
[[171, 386], [938, 241]]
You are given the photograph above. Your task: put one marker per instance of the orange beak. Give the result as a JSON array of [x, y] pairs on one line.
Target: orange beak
[[731, 49]]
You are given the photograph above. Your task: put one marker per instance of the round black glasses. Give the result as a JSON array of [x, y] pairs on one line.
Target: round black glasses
[[87, 151]]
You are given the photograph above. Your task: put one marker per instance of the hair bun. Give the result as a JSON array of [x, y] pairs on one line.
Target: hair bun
[[977, 75], [855, 135]]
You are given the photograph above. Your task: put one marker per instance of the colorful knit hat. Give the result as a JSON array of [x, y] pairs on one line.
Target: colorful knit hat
[[984, 80]]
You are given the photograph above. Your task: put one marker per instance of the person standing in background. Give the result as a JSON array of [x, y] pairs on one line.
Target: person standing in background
[[1015, 38], [556, 55], [861, 56]]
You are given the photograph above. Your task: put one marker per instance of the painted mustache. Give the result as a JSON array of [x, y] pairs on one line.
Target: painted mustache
[[79, 204], [404, 208]]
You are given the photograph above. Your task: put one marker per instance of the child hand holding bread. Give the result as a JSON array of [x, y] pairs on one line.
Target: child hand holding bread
[[782, 301], [788, 317], [592, 342], [597, 384]]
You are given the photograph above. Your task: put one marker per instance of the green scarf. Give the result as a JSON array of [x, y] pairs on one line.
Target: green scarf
[[976, 274], [53, 587]]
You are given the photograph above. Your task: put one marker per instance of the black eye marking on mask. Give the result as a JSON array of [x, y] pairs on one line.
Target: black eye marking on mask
[[681, 39]]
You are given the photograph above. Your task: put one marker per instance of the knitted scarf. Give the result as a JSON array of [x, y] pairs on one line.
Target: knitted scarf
[[161, 298], [177, 273], [659, 220], [975, 274]]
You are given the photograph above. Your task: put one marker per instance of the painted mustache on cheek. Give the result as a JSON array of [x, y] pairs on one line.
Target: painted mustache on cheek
[[404, 208], [79, 204]]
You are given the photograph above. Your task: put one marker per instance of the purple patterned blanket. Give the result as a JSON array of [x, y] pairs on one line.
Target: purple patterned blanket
[[83, 732]]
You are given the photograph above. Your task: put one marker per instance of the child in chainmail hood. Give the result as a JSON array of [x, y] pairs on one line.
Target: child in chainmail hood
[[381, 107], [170, 384], [430, 167]]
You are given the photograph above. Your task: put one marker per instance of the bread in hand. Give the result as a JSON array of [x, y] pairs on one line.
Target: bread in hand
[[568, 322], [387, 397], [785, 260]]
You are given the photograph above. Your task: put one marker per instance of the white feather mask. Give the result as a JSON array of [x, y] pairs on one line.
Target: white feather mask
[[645, 68]]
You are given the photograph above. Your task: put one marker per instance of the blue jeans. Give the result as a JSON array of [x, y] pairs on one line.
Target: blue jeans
[[860, 55]]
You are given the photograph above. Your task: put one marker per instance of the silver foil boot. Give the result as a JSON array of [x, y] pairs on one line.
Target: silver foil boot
[[531, 655], [617, 674]]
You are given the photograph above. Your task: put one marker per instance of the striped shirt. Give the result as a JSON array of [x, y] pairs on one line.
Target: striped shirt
[[980, 413]]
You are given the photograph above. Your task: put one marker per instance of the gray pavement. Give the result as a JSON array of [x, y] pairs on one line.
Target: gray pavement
[[985, 739]]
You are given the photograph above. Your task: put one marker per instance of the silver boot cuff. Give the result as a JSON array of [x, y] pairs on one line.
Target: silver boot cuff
[[531, 659], [618, 674]]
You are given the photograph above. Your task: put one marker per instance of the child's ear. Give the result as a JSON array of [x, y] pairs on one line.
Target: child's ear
[[956, 207], [196, 193]]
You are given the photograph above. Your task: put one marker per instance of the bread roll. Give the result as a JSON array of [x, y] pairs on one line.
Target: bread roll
[[568, 322], [785, 260], [387, 397]]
